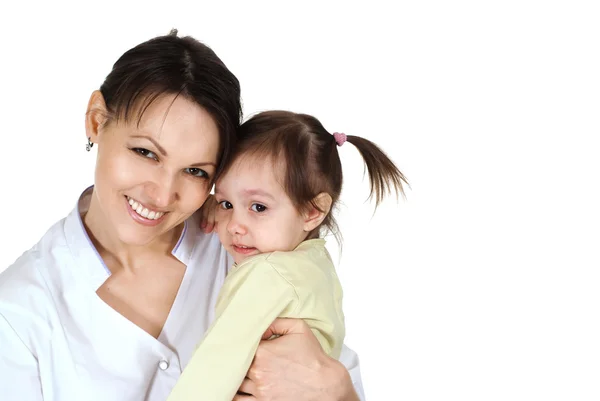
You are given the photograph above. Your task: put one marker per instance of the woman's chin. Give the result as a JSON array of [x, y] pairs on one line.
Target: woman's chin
[[136, 240], [139, 236]]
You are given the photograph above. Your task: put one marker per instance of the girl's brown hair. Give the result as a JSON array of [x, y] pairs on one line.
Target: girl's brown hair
[[306, 156]]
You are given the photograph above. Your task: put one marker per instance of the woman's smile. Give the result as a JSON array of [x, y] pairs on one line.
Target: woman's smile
[[142, 214]]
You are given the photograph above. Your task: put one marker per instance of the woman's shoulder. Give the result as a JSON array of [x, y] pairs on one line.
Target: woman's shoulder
[[23, 292], [36, 287], [26, 281], [36, 256]]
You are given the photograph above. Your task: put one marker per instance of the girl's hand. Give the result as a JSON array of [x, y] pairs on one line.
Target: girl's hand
[[208, 213]]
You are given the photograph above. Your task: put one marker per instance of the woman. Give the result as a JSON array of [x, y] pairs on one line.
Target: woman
[[111, 302]]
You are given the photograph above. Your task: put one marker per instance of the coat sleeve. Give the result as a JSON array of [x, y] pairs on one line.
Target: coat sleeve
[[19, 372], [349, 359]]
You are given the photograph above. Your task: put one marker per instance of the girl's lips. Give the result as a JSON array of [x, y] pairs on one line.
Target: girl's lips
[[244, 250]]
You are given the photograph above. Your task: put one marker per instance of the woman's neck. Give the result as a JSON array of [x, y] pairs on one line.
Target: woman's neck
[[117, 254]]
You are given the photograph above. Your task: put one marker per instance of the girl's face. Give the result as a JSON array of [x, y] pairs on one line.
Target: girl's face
[[151, 177], [255, 215]]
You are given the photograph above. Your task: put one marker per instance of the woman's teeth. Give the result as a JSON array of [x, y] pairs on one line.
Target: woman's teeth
[[144, 212]]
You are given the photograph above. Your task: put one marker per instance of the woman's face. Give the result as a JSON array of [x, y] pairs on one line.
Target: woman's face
[[151, 177]]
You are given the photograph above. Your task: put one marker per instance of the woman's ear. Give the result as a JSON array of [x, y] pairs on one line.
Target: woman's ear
[[315, 215], [95, 116]]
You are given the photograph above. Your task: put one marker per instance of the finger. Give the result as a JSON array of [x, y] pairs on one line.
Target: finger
[[242, 397], [205, 211], [248, 387], [203, 218], [210, 220], [212, 213], [283, 326]]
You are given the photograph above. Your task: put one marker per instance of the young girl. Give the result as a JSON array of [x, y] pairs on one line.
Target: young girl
[[274, 199]]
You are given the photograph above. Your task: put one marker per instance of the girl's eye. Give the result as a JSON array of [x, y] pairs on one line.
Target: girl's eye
[[145, 153], [225, 205], [196, 172], [257, 207]]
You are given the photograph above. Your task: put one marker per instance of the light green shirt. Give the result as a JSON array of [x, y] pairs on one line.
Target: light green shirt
[[297, 284]]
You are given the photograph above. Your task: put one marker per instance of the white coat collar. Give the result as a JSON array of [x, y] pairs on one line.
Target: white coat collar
[[86, 256]]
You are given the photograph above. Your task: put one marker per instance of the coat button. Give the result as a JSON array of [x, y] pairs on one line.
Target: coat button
[[163, 365]]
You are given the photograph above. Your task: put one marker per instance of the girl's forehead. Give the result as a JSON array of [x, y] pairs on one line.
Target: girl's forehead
[[251, 169]]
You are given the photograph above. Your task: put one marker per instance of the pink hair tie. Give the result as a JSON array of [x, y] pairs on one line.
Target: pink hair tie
[[340, 138]]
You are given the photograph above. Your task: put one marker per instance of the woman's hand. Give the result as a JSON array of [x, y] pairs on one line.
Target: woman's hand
[[293, 367], [208, 213]]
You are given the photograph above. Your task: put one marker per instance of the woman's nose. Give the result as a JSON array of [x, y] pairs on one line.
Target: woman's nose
[[163, 191]]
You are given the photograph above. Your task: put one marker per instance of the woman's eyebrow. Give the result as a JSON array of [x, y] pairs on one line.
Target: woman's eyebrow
[[200, 164], [160, 148], [164, 152]]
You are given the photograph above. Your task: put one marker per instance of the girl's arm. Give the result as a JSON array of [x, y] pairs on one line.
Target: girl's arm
[[251, 298]]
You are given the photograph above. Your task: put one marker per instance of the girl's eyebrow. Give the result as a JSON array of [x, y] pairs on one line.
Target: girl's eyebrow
[[260, 192]]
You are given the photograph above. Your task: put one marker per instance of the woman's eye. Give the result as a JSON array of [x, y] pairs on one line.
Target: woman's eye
[[196, 172], [225, 205], [145, 153], [257, 207]]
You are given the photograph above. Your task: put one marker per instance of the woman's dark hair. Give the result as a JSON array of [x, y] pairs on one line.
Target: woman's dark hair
[[180, 66], [307, 157]]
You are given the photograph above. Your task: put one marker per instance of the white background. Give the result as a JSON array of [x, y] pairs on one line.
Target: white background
[[483, 284]]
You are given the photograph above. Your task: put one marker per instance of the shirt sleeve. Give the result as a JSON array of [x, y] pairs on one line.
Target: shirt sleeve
[[349, 359], [248, 303], [19, 373]]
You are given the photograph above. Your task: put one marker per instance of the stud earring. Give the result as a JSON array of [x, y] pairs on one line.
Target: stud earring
[[89, 145]]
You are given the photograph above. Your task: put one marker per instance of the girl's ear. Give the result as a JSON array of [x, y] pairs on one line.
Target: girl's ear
[[315, 215]]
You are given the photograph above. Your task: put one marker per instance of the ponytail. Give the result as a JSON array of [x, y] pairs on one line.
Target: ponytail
[[384, 177]]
